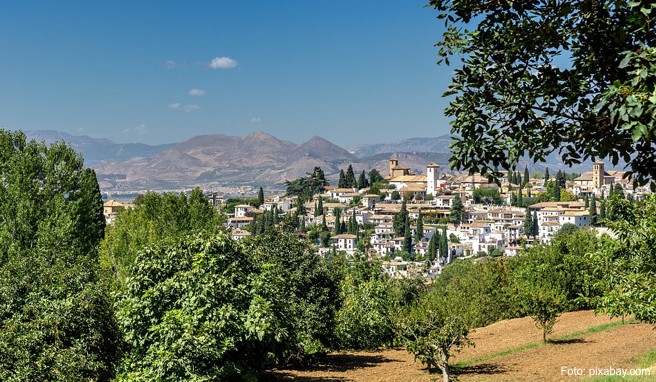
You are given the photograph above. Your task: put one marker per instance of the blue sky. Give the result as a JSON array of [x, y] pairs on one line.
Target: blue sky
[[163, 71]]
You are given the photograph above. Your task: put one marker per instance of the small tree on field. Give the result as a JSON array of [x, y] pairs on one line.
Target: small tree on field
[[433, 335], [540, 287]]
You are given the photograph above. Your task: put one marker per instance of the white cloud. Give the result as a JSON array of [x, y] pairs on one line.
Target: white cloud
[[185, 108], [170, 64], [256, 120], [196, 92], [223, 63]]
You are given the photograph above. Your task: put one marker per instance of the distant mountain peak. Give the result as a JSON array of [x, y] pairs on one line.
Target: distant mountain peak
[[259, 134]]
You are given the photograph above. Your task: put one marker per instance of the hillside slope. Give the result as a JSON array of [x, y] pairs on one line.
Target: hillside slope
[[510, 350]]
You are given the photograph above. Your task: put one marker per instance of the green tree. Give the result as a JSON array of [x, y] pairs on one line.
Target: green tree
[[536, 228], [547, 178], [400, 220], [432, 247], [395, 195], [318, 211], [341, 183], [484, 195], [366, 318], [407, 237], [628, 263], [433, 336], [419, 234], [527, 178], [338, 220], [153, 218], [541, 286], [528, 222], [312, 184], [362, 181], [593, 210], [457, 211], [444, 244], [375, 177], [56, 322], [350, 177], [260, 197], [514, 95]]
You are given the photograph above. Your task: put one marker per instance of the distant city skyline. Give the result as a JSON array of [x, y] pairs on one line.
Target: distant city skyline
[[162, 72]]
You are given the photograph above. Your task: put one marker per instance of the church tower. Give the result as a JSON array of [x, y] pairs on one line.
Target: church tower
[[598, 175], [432, 178], [392, 164]]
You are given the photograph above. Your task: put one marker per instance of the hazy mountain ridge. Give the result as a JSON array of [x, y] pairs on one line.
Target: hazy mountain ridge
[[256, 159], [96, 150], [424, 145]]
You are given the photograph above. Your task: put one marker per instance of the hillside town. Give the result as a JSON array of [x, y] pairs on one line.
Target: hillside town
[[449, 216]]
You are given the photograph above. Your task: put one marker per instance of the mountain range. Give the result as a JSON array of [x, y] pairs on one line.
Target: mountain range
[[258, 159]]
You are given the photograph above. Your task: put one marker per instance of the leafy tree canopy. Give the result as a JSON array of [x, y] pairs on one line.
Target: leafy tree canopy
[[155, 217], [313, 183], [56, 321], [573, 76]]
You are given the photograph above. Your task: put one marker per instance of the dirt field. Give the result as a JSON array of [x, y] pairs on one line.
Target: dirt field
[[616, 347]]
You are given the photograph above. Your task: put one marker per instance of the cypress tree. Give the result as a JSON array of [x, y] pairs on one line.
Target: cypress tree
[[602, 211], [528, 222], [587, 201], [269, 225], [526, 176], [338, 219], [546, 177], [407, 238], [420, 228], [431, 248], [444, 244], [350, 177], [354, 224], [362, 181], [320, 207], [536, 229], [260, 197], [593, 210], [556, 191], [341, 183], [399, 220]]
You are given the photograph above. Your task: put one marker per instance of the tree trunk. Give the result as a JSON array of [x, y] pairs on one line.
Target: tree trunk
[[444, 366], [445, 372]]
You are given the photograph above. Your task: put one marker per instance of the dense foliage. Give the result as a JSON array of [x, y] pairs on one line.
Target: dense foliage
[[311, 184], [573, 76], [628, 264], [154, 217], [56, 321]]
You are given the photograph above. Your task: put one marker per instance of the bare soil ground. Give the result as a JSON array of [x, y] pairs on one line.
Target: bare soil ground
[[526, 358]]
